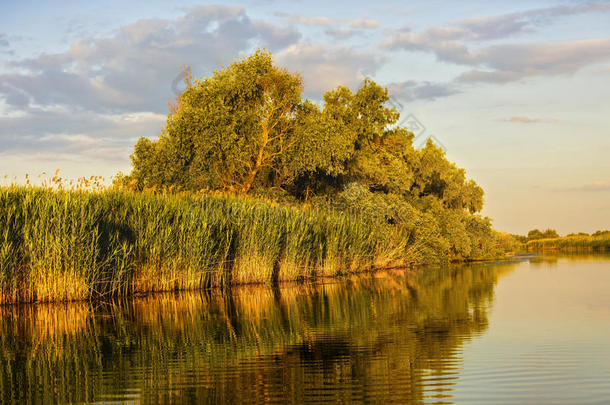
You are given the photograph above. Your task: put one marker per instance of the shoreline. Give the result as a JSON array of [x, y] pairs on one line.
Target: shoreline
[[304, 283]]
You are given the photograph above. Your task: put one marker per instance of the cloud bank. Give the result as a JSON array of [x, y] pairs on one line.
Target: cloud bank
[[95, 98], [462, 43], [102, 93]]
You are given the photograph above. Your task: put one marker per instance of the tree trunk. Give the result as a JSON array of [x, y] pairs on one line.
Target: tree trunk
[[259, 158]]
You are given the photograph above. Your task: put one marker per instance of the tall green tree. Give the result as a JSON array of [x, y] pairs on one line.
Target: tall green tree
[[437, 176], [247, 128], [227, 131], [352, 137]]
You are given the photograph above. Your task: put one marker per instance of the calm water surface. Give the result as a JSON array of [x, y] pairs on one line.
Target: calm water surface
[[537, 331]]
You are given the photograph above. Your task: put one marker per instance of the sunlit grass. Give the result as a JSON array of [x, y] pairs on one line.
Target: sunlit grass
[[85, 241]]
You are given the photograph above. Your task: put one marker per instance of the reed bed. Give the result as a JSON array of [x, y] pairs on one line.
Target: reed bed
[[576, 243], [60, 245]]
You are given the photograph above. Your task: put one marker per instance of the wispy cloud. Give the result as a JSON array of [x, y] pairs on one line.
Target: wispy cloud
[[522, 119], [5, 45], [102, 93], [443, 39], [365, 23], [504, 25], [595, 186], [506, 63], [54, 130], [114, 74], [341, 33], [326, 66], [303, 19], [413, 90]]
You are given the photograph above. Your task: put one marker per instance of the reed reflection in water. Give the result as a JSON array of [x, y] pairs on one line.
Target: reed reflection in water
[[387, 336]]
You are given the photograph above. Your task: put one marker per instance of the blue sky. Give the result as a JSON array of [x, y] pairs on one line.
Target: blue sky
[[517, 92]]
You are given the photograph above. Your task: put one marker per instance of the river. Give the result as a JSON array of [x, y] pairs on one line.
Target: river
[[531, 331]]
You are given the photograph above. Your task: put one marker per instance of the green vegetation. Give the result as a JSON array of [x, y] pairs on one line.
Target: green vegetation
[[248, 182], [597, 242], [64, 245], [536, 240], [247, 130], [59, 245], [535, 234]]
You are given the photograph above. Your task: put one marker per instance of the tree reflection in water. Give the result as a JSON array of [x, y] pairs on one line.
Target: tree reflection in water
[[393, 335]]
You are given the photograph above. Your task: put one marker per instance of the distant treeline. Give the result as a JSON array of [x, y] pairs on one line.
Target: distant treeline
[[551, 240], [596, 242]]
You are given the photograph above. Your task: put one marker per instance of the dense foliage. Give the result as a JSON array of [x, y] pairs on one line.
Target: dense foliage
[[537, 240], [64, 245], [247, 130]]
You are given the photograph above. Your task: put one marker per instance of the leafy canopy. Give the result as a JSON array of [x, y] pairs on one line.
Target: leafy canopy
[[247, 129]]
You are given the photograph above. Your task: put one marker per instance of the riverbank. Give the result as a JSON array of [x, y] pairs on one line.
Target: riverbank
[[58, 245]]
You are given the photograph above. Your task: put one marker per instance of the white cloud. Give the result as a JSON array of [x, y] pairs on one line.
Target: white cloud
[[325, 67], [341, 33], [502, 63], [125, 72], [412, 90], [39, 129], [92, 101], [365, 23], [303, 19], [454, 35], [3, 41], [514, 62]]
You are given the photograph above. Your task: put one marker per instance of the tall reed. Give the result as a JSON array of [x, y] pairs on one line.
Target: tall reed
[[80, 244]]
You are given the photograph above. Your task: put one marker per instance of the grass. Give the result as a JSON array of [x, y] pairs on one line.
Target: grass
[[575, 243], [59, 245]]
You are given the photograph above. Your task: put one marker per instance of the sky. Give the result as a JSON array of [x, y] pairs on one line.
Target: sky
[[517, 93]]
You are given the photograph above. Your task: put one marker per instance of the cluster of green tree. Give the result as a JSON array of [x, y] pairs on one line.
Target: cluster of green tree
[[247, 129], [577, 234], [601, 233], [575, 242], [537, 234], [596, 233]]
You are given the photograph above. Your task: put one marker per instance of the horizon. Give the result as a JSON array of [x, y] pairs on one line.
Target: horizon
[[517, 94]]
